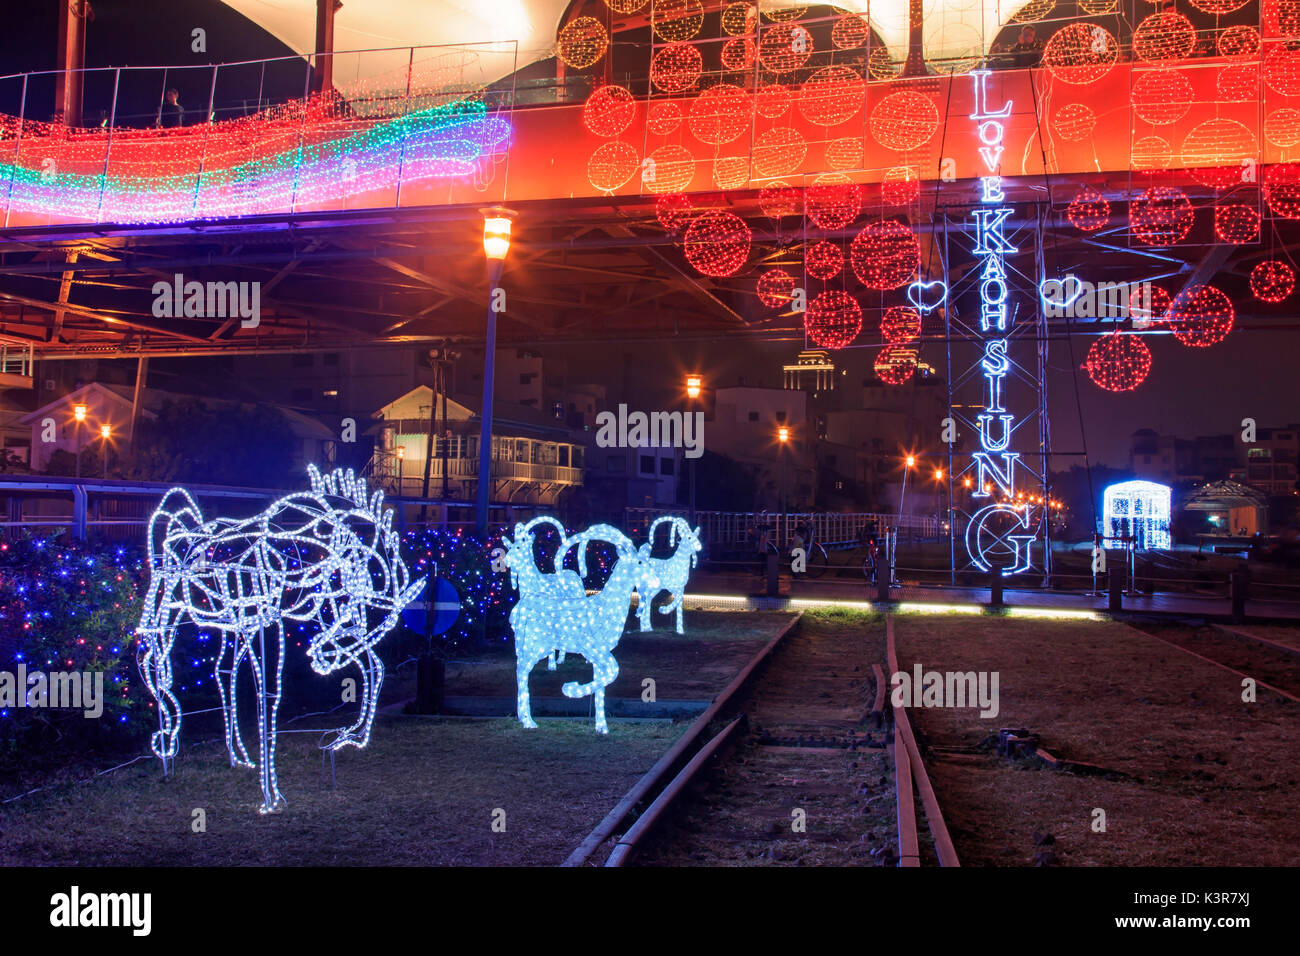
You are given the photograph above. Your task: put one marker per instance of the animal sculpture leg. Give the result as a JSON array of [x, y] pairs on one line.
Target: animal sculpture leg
[[226, 679], [643, 603], [266, 679], [372, 678], [681, 599], [156, 668], [524, 662]]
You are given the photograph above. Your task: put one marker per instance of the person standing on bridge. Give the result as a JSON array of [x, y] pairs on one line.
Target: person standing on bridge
[[172, 114]]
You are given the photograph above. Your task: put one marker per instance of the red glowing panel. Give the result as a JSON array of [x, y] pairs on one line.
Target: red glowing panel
[[1238, 43], [611, 165], [833, 201], [676, 67], [900, 324], [784, 48], [823, 260], [717, 243], [720, 114], [1272, 280], [609, 110], [738, 53], [1236, 223], [669, 169], [1118, 361], [1282, 190], [1162, 37], [778, 199], [850, 32], [1080, 53], [832, 95], [664, 117], [674, 211], [895, 364], [775, 288], [1161, 216], [885, 255], [901, 186], [774, 100], [1088, 210], [904, 120], [833, 319], [1201, 316], [779, 151], [1074, 122], [1162, 97]]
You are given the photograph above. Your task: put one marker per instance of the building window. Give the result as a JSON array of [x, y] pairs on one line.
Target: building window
[[666, 466], [647, 464]]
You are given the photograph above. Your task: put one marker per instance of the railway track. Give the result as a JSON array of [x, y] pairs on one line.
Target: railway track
[[802, 771]]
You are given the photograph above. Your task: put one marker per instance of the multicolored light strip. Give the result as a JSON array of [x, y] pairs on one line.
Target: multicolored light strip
[[246, 168]]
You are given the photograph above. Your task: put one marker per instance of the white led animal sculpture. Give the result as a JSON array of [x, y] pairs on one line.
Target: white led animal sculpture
[[527, 577], [550, 617], [672, 572], [328, 557]]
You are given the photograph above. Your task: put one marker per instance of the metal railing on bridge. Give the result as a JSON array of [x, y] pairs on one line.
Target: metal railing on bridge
[[735, 530]]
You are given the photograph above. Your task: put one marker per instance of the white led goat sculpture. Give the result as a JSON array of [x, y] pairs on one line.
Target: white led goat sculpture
[[672, 572], [552, 616], [328, 556]]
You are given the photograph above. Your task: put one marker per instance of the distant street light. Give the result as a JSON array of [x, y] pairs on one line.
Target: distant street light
[[79, 413], [783, 436], [497, 223], [105, 432], [694, 387]]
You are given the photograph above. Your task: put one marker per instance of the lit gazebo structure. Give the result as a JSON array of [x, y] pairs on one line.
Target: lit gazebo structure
[[1136, 512]]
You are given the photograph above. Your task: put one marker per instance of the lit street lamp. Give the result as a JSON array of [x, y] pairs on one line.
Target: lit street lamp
[[694, 386], [783, 436], [105, 432], [79, 413], [496, 244]]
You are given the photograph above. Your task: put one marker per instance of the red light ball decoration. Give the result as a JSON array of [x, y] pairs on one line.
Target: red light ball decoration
[[738, 19], [1214, 151], [612, 165], [582, 42], [738, 53], [1282, 127], [1161, 216], [1201, 316], [844, 153], [850, 32], [1162, 97], [1162, 37], [784, 48], [1281, 70], [1151, 154], [885, 255], [778, 199], [720, 114], [674, 211], [677, 20], [1118, 361], [609, 110], [1088, 210], [773, 101], [1080, 53], [1238, 83], [1074, 122], [664, 117], [901, 186], [900, 324], [717, 243], [833, 201], [779, 151], [823, 260], [895, 364], [676, 67], [670, 170], [1148, 309], [1218, 7], [832, 95], [833, 319], [1236, 223], [1238, 43], [904, 120], [1272, 281], [775, 288], [1282, 190]]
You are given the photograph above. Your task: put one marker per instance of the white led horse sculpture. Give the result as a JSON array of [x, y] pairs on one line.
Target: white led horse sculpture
[[328, 556], [550, 617], [672, 572]]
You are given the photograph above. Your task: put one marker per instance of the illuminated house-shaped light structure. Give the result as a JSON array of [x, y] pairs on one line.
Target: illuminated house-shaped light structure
[[1136, 509]]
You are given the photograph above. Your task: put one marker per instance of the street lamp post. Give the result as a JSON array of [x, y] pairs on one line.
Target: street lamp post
[[496, 244], [79, 413], [783, 436], [105, 432], [694, 386]]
